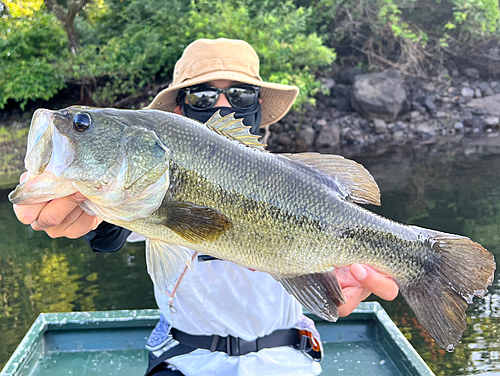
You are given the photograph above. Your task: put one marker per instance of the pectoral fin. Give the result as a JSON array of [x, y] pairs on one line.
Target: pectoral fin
[[195, 223], [320, 293], [165, 262]]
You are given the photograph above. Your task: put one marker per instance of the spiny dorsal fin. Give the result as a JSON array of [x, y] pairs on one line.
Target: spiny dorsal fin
[[195, 223], [351, 175], [234, 129]]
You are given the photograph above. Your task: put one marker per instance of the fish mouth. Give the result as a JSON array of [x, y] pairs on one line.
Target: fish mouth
[[48, 154]]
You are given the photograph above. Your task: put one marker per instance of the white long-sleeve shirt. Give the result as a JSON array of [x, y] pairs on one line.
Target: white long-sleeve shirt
[[221, 298]]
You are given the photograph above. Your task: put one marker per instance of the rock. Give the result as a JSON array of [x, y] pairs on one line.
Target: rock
[[399, 126], [346, 76], [479, 111], [399, 135], [378, 95], [477, 93], [343, 95], [459, 127], [440, 114], [327, 82], [490, 104], [471, 72], [455, 73], [305, 139], [485, 89], [492, 121], [415, 106], [284, 139], [321, 122], [467, 92], [426, 130], [429, 104], [328, 141], [414, 115], [380, 126]]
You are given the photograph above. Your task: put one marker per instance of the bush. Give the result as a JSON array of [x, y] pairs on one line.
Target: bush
[[407, 34], [33, 47], [127, 46]]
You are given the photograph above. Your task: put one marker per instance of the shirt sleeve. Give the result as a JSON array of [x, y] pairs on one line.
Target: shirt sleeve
[[107, 237]]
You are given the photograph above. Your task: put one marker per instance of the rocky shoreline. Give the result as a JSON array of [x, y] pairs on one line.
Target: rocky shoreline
[[440, 114], [450, 115]]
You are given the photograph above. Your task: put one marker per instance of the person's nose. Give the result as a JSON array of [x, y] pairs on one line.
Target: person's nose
[[222, 101]]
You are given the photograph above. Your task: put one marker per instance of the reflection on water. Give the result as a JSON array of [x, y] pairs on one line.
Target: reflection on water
[[40, 274], [458, 195], [451, 194]]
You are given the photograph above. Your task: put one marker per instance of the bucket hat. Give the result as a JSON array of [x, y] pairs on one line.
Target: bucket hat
[[225, 59]]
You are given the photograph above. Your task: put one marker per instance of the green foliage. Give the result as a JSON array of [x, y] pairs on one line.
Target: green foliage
[[32, 47], [287, 54], [127, 46]]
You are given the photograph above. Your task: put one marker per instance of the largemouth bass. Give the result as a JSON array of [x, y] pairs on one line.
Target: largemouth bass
[[214, 189]]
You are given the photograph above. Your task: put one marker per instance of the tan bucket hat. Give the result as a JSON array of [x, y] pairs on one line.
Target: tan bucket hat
[[225, 59]]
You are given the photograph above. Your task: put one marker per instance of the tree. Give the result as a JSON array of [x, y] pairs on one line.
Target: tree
[[67, 19]]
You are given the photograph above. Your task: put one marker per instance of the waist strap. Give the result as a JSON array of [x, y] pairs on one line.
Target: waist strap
[[234, 346]]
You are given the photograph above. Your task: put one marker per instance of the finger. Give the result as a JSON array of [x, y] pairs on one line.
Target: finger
[[28, 214], [54, 231], [379, 284], [75, 225], [353, 296], [83, 225], [57, 210]]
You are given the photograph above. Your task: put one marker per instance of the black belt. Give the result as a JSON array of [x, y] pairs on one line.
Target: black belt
[[234, 346]]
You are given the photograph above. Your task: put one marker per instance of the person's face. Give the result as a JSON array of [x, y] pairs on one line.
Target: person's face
[[222, 101]]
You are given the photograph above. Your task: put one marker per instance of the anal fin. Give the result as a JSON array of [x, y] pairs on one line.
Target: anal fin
[[320, 293]]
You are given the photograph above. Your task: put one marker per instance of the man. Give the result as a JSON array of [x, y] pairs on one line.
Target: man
[[228, 320]]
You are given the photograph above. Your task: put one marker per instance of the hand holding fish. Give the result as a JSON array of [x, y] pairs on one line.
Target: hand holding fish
[[359, 281], [60, 217]]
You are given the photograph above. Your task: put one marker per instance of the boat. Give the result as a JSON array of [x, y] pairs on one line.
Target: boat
[[366, 342]]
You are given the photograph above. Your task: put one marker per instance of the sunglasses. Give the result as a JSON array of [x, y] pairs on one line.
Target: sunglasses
[[204, 97]]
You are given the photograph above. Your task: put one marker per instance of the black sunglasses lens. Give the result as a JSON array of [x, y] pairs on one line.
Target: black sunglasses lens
[[202, 97], [241, 97]]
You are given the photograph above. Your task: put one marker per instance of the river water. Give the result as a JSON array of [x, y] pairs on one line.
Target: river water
[[456, 192]]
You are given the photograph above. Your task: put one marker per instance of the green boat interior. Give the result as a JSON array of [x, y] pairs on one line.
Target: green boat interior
[[112, 343]]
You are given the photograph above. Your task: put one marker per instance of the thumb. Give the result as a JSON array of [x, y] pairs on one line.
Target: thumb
[[379, 284]]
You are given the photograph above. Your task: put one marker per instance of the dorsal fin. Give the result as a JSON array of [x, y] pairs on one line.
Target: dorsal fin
[[354, 177], [234, 129]]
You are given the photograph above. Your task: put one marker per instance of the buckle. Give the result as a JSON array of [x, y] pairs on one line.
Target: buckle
[[309, 345], [232, 346], [236, 346]]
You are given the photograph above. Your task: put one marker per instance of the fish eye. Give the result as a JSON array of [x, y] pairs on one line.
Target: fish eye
[[82, 122]]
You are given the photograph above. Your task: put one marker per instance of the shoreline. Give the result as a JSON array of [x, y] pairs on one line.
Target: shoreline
[[437, 119]]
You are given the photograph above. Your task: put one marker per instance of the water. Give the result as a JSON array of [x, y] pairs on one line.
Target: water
[[452, 193], [95, 363]]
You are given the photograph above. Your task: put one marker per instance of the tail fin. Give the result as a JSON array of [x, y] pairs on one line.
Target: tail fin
[[461, 270]]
